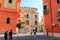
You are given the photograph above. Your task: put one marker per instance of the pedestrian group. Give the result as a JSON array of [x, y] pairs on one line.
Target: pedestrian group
[[33, 31], [8, 35]]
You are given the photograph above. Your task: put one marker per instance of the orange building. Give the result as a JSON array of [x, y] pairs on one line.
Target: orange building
[[52, 16], [9, 14]]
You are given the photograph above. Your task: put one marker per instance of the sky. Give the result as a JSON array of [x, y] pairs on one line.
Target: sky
[[34, 4]]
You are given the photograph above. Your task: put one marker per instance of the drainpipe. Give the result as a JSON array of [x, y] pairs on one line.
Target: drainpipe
[[51, 16]]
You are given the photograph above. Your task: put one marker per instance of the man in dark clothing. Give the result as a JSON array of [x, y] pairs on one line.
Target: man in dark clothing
[[36, 29], [5, 36], [10, 33]]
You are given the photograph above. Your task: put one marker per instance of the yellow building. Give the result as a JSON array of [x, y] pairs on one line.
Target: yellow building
[[29, 17], [41, 24]]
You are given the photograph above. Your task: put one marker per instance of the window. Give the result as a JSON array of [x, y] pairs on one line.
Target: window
[[19, 10], [10, 1], [58, 20], [36, 16], [24, 15], [58, 1], [27, 22], [58, 14], [8, 20], [27, 16], [35, 22], [45, 8]]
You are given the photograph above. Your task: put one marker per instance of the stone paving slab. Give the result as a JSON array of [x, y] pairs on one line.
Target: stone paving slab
[[38, 37]]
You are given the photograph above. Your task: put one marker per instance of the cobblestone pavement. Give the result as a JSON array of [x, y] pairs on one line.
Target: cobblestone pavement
[[34, 38]]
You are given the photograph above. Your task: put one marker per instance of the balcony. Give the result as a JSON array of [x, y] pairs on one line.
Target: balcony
[[45, 12]]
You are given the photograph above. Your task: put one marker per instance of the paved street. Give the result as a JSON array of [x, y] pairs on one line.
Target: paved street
[[23, 34], [41, 37]]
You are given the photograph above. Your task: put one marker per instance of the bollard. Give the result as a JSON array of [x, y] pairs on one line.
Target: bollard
[[47, 31]]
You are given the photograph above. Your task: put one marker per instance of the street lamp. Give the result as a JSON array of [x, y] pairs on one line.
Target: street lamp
[[51, 17], [53, 25]]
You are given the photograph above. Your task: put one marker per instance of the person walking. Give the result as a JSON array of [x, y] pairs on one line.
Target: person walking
[[34, 32], [31, 32], [10, 34], [6, 35], [36, 29]]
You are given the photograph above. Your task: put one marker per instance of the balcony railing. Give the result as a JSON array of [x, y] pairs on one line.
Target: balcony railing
[[45, 12]]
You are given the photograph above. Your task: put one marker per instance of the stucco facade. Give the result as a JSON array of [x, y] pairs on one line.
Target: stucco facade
[[9, 14], [28, 17], [41, 24], [52, 15]]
